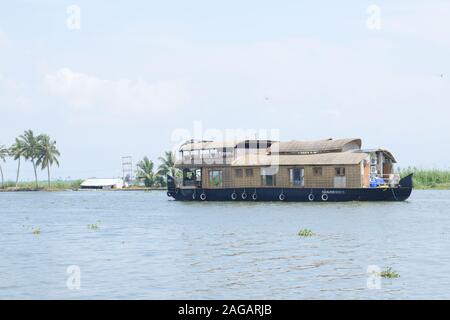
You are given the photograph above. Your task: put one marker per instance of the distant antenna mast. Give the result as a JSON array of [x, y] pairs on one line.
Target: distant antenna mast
[[127, 168]]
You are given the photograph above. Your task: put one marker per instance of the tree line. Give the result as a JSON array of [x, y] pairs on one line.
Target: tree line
[[146, 174], [40, 150]]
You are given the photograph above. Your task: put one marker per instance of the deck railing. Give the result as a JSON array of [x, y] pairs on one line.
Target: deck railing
[[207, 159]]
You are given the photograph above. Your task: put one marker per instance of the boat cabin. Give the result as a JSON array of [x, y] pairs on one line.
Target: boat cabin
[[329, 163]]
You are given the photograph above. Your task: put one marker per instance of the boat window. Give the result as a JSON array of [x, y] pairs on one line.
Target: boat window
[[317, 171], [249, 172], [297, 177], [238, 173], [215, 178], [340, 172], [268, 180], [189, 177]]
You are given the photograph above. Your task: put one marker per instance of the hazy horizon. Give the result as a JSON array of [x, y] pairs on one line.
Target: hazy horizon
[[124, 77]]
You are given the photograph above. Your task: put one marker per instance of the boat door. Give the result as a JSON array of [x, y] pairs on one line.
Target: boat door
[[340, 180], [198, 178]]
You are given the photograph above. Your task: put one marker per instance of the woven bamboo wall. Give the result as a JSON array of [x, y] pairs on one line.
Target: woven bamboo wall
[[247, 181], [366, 181], [353, 177], [227, 178]]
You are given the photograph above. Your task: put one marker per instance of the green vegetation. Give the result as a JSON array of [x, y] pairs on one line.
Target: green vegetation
[[31, 149], [47, 154], [428, 178], [306, 233], [389, 273], [4, 152], [94, 226], [145, 172], [39, 150], [56, 185], [167, 165], [37, 231], [16, 152], [151, 179]]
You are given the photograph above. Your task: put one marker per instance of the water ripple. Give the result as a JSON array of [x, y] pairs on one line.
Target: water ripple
[[148, 247]]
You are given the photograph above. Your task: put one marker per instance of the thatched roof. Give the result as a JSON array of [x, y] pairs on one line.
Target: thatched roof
[[317, 146], [286, 147], [386, 153], [338, 158], [206, 145]]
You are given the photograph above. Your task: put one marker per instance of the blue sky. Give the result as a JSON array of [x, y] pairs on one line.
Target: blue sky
[[137, 71]]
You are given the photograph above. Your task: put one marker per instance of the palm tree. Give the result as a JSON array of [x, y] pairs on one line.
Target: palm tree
[[48, 154], [4, 152], [145, 172], [167, 165], [160, 181], [17, 151], [31, 149]]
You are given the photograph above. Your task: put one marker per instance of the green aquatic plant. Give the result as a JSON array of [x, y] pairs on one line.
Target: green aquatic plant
[[389, 273], [94, 226], [306, 233], [36, 231]]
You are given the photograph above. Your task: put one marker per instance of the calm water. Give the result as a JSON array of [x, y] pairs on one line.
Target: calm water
[[149, 247]]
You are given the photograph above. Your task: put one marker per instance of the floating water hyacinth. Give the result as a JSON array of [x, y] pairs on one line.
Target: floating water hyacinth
[[306, 233], [94, 225], [389, 273]]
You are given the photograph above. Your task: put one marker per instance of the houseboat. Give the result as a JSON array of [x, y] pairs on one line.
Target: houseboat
[[265, 170]]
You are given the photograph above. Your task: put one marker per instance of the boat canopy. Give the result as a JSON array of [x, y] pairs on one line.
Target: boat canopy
[[207, 145], [316, 146]]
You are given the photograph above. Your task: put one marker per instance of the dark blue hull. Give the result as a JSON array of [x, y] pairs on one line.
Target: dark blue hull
[[279, 194], [400, 193]]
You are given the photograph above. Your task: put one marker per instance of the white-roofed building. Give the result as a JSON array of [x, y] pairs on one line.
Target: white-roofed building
[[103, 184]]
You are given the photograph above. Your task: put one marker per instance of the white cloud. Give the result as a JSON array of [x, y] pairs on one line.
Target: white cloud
[[84, 92], [319, 89]]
